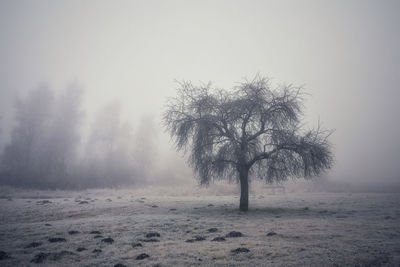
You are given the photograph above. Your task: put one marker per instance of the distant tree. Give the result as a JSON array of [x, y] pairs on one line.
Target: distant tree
[[1, 147], [22, 156], [144, 149], [109, 148], [253, 130], [44, 138], [62, 138], [1, 131]]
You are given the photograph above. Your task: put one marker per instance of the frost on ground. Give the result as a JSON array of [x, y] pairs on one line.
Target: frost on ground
[[133, 228]]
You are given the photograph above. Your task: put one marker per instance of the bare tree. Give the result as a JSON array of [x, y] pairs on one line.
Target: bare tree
[[44, 139], [62, 138], [109, 149], [22, 157], [253, 130]]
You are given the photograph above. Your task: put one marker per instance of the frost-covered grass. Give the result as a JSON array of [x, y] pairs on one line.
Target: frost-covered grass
[[324, 229]]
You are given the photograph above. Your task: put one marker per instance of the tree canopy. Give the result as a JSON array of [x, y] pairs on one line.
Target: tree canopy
[[253, 129]]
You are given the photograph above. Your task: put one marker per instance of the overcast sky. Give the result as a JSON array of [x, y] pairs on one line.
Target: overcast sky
[[345, 53]]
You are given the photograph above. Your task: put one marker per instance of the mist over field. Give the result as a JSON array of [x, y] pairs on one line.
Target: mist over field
[[90, 136], [343, 53]]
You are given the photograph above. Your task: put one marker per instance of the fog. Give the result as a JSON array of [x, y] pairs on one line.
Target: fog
[[122, 60]]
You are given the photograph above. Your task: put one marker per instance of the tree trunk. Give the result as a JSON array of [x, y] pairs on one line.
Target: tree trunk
[[244, 190]]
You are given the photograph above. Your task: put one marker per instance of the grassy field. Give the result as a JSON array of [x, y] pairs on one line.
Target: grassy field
[[167, 228]]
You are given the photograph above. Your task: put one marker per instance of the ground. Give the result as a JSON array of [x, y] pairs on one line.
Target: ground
[[285, 229]]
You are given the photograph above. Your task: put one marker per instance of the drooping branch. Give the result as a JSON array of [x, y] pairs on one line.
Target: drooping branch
[[253, 125], [297, 156], [197, 118]]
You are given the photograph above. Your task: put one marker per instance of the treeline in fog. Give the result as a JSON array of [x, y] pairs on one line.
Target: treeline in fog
[[47, 147]]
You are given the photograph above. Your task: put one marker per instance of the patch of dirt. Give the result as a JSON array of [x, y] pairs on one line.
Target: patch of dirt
[[4, 255], [271, 234], [136, 245], [234, 234], [142, 256], [219, 239], [40, 257], [152, 234], [108, 240], [73, 232], [240, 250], [199, 238]]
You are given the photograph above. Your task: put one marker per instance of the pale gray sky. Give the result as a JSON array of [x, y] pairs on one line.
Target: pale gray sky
[[346, 53]]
